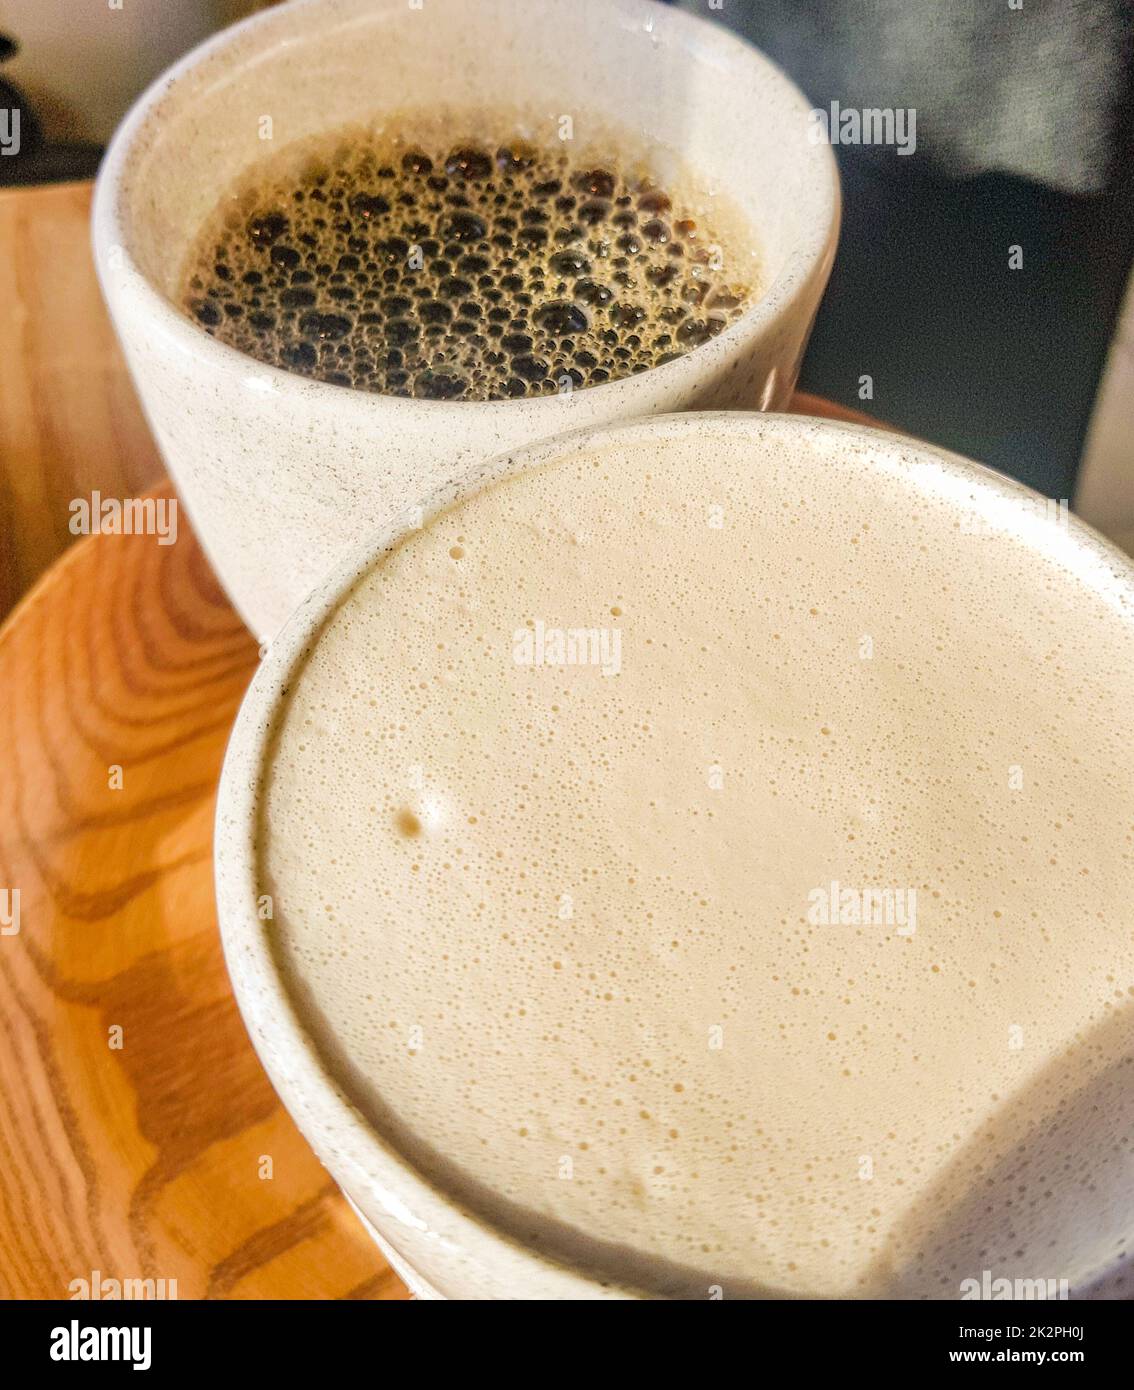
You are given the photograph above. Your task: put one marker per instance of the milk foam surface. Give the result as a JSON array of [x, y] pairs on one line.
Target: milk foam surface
[[563, 929]]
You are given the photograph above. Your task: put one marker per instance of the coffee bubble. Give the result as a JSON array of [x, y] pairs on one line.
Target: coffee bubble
[[470, 272]]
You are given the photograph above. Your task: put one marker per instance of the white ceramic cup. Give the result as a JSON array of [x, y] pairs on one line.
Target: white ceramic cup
[[280, 473], [441, 1248]]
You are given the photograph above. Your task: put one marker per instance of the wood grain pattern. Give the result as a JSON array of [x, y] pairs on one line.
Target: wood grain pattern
[[69, 419], [142, 1160]]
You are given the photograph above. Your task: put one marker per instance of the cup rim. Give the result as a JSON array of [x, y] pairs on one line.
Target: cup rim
[[809, 253], [304, 1081]]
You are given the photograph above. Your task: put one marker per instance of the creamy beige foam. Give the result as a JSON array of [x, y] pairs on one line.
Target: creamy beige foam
[[561, 935]]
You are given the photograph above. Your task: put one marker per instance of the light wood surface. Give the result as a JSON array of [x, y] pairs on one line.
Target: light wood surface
[[69, 419], [136, 1125], [140, 1152]]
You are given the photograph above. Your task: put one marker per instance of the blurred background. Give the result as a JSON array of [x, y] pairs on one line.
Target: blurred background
[[79, 64], [1023, 138]]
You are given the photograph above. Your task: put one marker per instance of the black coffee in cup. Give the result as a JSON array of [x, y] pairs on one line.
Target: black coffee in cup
[[463, 269]]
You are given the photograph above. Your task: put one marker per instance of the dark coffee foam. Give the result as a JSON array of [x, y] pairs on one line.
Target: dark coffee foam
[[461, 270]]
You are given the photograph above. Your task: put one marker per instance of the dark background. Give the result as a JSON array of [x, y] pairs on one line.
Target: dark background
[[999, 365]]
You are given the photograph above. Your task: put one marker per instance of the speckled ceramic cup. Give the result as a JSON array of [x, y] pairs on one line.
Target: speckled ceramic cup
[[445, 1248], [281, 473]]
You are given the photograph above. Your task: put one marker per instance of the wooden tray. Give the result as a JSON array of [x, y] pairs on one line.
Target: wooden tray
[[135, 1121]]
